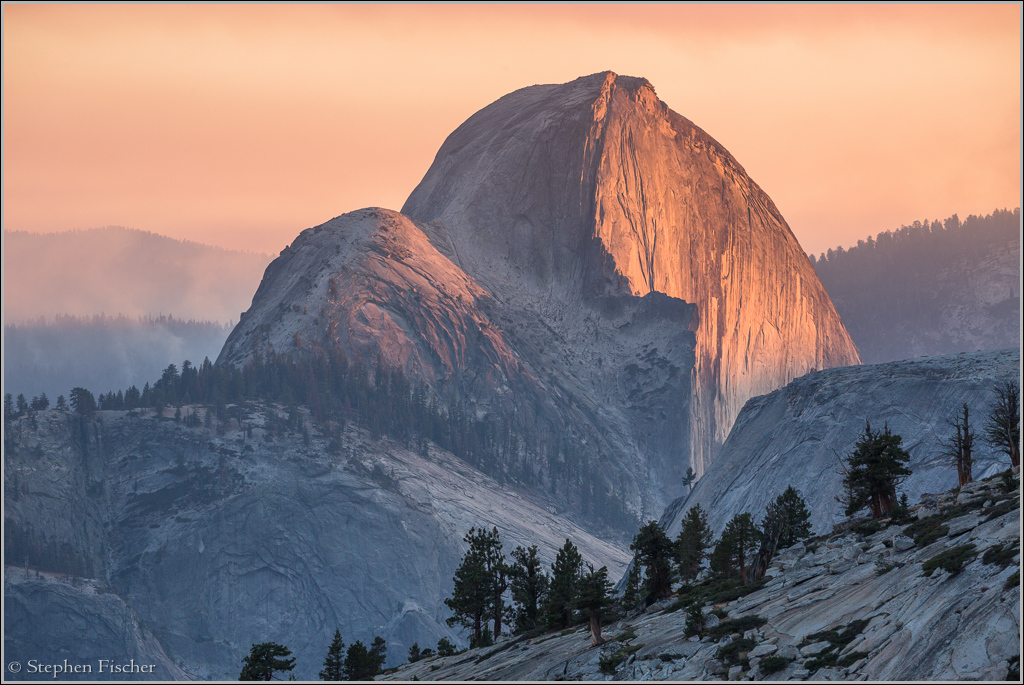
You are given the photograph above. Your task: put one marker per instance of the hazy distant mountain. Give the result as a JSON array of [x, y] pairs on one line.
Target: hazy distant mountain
[[124, 271], [102, 353], [930, 288]]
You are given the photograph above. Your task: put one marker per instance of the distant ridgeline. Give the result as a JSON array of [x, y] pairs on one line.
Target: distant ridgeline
[[929, 288], [127, 271], [379, 399], [101, 352]]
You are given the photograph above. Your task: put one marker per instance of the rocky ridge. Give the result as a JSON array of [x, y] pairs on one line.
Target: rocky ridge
[[201, 541], [938, 599], [797, 434]]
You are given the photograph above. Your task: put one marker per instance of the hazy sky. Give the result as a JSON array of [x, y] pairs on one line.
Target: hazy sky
[[241, 126]]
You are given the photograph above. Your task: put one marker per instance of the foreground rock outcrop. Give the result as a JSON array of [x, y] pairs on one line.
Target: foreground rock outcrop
[[797, 434], [198, 542], [848, 606]]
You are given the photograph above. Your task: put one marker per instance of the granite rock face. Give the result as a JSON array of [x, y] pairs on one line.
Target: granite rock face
[[556, 193], [602, 392], [795, 435], [200, 542], [582, 264], [50, 619], [906, 626]]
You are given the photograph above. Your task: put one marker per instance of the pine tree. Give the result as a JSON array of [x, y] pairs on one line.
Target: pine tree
[[62, 404], [82, 401], [694, 620], [786, 520], [876, 467], [264, 660], [631, 595], [378, 653], [1003, 428], [735, 549], [414, 653], [565, 578], [693, 543], [689, 478], [362, 663], [655, 552], [334, 664], [480, 581], [445, 647], [797, 519], [960, 445], [593, 599], [529, 585]]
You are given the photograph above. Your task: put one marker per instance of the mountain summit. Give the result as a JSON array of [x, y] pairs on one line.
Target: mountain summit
[[596, 186], [581, 267]]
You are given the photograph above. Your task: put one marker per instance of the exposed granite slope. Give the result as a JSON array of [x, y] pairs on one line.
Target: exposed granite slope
[[583, 263], [608, 387], [902, 624], [50, 619], [214, 541], [795, 435]]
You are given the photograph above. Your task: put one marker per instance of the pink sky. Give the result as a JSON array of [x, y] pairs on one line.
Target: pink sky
[[241, 126]]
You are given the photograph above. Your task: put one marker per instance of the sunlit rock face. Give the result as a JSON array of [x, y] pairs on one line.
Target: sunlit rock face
[[563, 193], [583, 265], [371, 283], [596, 397]]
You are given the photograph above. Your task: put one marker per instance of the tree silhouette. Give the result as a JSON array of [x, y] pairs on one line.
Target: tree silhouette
[[689, 478], [1003, 429], [593, 600], [334, 663], [655, 552], [565, 578], [264, 660], [693, 543], [874, 469], [736, 548], [479, 581], [960, 445], [529, 585]]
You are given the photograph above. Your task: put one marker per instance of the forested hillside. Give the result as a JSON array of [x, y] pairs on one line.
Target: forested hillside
[[929, 288]]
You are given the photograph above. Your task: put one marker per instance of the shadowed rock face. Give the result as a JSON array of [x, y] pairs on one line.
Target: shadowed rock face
[[202, 542], [566, 192], [603, 390], [48, 619]]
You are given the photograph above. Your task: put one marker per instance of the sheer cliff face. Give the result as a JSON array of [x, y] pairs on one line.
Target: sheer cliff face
[[585, 267], [596, 186]]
